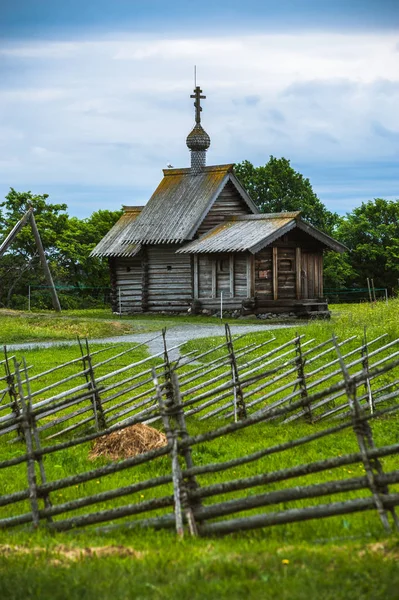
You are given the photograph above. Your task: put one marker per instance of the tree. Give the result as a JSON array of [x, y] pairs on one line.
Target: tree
[[371, 232], [68, 242], [277, 187], [21, 264]]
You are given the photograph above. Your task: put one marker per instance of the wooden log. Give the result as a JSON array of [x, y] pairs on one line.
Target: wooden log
[[294, 515], [30, 459], [306, 492], [43, 260], [298, 270], [275, 273], [37, 445], [292, 472], [363, 435]]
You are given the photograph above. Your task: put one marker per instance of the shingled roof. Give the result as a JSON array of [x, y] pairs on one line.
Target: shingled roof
[[254, 232], [180, 203], [111, 244]]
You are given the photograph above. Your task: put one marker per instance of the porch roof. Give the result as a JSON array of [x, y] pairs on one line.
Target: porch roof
[[254, 232]]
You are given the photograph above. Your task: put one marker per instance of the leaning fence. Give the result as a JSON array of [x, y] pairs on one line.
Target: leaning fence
[[248, 386]]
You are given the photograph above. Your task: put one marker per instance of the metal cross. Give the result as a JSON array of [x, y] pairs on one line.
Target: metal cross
[[197, 103]]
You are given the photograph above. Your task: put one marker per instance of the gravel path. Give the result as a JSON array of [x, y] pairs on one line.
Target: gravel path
[[174, 336]]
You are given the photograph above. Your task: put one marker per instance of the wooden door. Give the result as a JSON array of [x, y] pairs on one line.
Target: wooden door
[[312, 275], [223, 276]]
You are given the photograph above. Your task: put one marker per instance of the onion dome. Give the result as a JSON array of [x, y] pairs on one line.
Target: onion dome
[[198, 139]]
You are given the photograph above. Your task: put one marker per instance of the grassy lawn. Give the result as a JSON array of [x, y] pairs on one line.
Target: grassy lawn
[[335, 558], [18, 327]]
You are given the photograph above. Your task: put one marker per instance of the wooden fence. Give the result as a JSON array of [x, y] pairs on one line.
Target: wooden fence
[[278, 385]]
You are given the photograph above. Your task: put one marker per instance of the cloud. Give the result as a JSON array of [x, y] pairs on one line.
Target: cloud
[[113, 111]]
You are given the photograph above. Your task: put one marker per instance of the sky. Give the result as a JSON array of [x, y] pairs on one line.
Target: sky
[[95, 95]]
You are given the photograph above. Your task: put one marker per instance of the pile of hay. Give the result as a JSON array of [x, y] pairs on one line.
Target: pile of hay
[[128, 442]]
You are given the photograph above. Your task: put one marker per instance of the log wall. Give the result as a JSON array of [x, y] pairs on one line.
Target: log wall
[[126, 275], [221, 273], [264, 274], [229, 202], [170, 285], [286, 273]]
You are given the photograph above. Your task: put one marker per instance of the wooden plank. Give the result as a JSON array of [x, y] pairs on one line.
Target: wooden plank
[[195, 276], [321, 290], [231, 265], [298, 269], [275, 273], [249, 273], [214, 279]]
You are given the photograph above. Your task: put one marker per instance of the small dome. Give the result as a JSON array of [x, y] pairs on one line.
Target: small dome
[[198, 139]]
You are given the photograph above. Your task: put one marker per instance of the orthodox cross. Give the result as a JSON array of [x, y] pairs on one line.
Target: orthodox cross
[[197, 103]]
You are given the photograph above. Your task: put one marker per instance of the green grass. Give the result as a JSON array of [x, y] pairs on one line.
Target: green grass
[[340, 557], [239, 567], [20, 327]]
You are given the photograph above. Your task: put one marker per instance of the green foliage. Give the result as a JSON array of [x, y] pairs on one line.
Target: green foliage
[[68, 242], [338, 271], [277, 187], [371, 232]]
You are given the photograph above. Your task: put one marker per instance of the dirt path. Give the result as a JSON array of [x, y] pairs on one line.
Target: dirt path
[[175, 336]]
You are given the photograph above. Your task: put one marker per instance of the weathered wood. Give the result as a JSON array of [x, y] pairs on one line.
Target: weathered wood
[[15, 230], [30, 460], [363, 435], [195, 276], [298, 270], [43, 260], [294, 515], [275, 273], [240, 410], [228, 202]]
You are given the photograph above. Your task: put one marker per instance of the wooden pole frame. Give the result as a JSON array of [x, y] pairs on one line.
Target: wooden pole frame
[[29, 217]]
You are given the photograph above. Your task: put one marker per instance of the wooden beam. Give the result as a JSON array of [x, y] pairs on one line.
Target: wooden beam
[[14, 232], [214, 262], [43, 260], [249, 276], [275, 274], [298, 268], [231, 264], [321, 290], [196, 279], [316, 275], [144, 279]]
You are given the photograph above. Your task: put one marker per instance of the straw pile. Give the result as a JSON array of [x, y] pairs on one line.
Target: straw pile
[[128, 442]]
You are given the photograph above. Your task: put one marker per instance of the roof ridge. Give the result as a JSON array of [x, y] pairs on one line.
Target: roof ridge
[[268, 216], [210, 168]]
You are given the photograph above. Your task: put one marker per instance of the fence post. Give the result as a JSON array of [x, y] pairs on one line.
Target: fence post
[[300, 368], [171, 436], [240, 409], [13, 394], [190, 482], [95, 398], [36, 440], [168, 372], [365, 441], [30, 459], [365, 365]]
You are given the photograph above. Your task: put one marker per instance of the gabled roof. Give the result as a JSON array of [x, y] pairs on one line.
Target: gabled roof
[[180, 203], [254, 232], [111, 244]]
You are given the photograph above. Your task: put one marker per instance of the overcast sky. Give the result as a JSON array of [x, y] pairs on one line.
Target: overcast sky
[[94, 94]]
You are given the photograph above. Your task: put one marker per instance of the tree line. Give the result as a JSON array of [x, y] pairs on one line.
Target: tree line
[[370, 231]]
